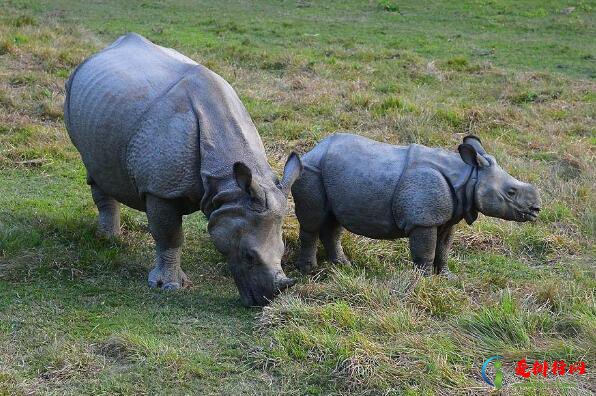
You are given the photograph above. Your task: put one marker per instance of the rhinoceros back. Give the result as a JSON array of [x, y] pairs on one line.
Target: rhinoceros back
[[107, 97]]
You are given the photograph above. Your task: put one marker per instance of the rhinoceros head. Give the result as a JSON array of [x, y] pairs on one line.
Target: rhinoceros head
[[249, 232], [497, 193]]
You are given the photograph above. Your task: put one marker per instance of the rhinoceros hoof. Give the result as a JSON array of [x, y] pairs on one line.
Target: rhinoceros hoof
[[341, 260], [306, 266], [107, 233], [168, 279], [423, 270], [447, 274]]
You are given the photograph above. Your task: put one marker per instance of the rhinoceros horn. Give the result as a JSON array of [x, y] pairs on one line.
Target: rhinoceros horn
[[284, 283]]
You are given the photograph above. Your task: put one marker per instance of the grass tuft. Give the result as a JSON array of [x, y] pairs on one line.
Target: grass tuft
[[438, 298], [24, 20], [389, 5]]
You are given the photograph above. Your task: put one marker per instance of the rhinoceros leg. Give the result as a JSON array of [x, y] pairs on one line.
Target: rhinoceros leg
[[444, 240], [423, 242], [109, 212], [330, 235], [165, 223], [307, 256], [311, 211]]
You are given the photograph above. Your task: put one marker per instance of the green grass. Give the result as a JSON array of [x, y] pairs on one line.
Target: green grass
[[76, 316]]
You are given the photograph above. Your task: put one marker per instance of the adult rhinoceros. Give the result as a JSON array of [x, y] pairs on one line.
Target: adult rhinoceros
[[162, 134]]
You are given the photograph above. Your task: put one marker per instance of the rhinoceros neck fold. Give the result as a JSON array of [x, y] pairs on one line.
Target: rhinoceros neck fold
[[460, 177], [220, 193], [226, 135], [470, 212]]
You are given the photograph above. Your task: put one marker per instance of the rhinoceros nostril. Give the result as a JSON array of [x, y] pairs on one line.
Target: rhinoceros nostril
[[535, 208]]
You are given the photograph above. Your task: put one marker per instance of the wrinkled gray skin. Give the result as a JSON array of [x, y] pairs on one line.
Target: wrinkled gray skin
[[162, 134], [383, 191]]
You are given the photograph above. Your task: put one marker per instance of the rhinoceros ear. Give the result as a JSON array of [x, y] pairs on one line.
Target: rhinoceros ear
[[475, 142], [243, 177], [471, 157], [292, 171]]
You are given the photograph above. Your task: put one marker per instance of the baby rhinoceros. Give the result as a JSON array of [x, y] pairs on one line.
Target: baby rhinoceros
[[165, 135], [383, 191]]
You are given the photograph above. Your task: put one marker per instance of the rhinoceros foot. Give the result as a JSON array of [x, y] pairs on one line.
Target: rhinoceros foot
[[340, 259], [447, 274], [107, 230], [168, 278], [109, 234], [306, 265]]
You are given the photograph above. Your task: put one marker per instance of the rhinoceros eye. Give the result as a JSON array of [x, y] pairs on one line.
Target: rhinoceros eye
[[512, 191]]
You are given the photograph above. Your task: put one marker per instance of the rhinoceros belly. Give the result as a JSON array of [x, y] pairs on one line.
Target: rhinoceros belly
[[108, 96], [360, 176]]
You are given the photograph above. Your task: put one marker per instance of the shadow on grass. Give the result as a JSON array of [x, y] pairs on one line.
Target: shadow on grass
[[58, 256]]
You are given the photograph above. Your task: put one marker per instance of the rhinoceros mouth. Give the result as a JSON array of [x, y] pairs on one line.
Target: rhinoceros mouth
[[529, 215], [251, 297], [260, 292]]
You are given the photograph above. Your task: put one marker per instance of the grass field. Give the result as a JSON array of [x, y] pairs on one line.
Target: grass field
[[76, 316]]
